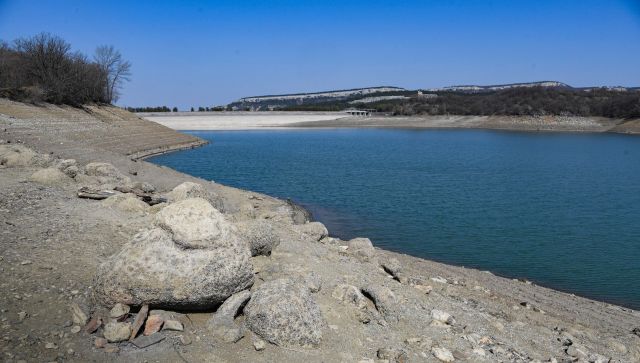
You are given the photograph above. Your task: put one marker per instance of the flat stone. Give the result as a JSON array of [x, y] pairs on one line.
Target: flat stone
[[51, 346], [153, 325], [172, 325], [76, 329], [77, 315], [139, 321], [110, 348], [119, 310], [92, 325], [100, 342], [442, 316], [117, 332], [443, 354], [145, 341], [259, 344]]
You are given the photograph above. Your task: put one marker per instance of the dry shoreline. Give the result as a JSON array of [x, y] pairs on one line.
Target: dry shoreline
[[278, 120], [52, 242]]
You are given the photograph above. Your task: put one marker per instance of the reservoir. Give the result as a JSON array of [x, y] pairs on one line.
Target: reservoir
[[559, 209]]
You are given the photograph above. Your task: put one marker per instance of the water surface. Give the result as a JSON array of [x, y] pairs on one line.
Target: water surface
[[562, 210]]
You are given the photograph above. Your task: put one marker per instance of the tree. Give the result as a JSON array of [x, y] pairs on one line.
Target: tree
[[175, 109], [191, 109], [117, 70]]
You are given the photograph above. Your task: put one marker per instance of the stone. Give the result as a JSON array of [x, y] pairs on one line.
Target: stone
[[110, 348], [285, 313], [222, 322], [75, 329], [362, 249], [141, 316], [479, 351], [153, 325], [144, 187], [19, 155], [194, 223], [259, 344], [392, 266], [22, 315], [50, 346], [614, 344], [313, 281], [92, 325], [145, 341], [350, 294], [439, 279], [383, 298], [126, 202], [105, 173], [189, 190], [100, 342], [260, 235], [49, 176], [77, 315], [117, 332], [442, 354], [173, 325], [119, 310], [442, 316], [153, 269], [312, 230]]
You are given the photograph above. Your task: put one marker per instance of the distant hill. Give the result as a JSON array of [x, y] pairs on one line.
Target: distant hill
[[499, 87]]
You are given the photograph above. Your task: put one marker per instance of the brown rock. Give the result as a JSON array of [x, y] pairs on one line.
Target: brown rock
[[137, 323], [100, 342], [154, 323], [110, 348], [92, 325], [145, 341]]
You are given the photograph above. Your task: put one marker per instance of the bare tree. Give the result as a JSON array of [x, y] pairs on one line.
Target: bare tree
[[117, 69]]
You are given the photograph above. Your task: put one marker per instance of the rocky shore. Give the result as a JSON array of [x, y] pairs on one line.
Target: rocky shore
[[105, 257]]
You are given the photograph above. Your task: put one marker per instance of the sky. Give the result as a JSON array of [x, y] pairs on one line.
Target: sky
[[206, 53]]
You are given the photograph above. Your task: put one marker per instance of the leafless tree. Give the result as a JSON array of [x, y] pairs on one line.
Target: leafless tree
[[117, 69]]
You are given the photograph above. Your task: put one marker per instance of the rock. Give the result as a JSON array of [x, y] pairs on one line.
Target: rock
[[350, 294], [260, 235], [110, 348], [443, 354], [51, 346], [313, 282], [222, 323], [362, 249], [189, 190], [152, 269], [100, 342], [194, 223], [76, 329], [144, 187], [259, 344], [636, 331], [126, 202], [119, 310], [442, 316], [68, 167], [284, 313], [77, 315], [49, 176], [439, 279], [106, 173], [312, 230], [577, 352], [153, 325], [383, 298], [145, 341], [19, 155], [139, 321], [92, 325], [614, 344], [117, 332], [173, 325], [22, 315], [392, 355], [479, 351], [392, 266]]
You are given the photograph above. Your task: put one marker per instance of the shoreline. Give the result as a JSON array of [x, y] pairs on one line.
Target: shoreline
[[519, 319]]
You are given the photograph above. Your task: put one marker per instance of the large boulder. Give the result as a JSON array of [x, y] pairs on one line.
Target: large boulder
[[154, 269], [67, 166], [19, 155], [189, 190], [362, 249], [285, 313], [105, 173], [260, 235], [126, 202], [312, 230], [194, 223], [49, 176]]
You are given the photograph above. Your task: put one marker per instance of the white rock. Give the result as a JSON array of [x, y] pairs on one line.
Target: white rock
[[443, 354]]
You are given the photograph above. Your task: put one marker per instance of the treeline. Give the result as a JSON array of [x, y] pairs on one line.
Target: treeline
[[536, 101], [44, 68], [152, 109]]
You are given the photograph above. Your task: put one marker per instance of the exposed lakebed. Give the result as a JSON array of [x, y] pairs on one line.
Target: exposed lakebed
[[562, 210]]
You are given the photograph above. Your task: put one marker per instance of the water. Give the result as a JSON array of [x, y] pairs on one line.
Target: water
[[562, 210]]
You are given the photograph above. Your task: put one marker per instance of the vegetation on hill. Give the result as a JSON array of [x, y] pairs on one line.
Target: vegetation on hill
[[534, 101], [44, 68]]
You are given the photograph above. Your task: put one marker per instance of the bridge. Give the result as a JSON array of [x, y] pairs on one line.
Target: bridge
[[362, 113]]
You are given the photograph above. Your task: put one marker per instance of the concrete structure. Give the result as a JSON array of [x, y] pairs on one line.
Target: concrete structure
[[361, 113]]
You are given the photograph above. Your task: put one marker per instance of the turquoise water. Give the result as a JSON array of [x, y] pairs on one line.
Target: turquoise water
[[562, 210]]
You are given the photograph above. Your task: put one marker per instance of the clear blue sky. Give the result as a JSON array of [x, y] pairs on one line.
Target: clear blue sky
[[191, 53]]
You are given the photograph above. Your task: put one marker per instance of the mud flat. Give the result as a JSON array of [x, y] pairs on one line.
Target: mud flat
[[309, 297]]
